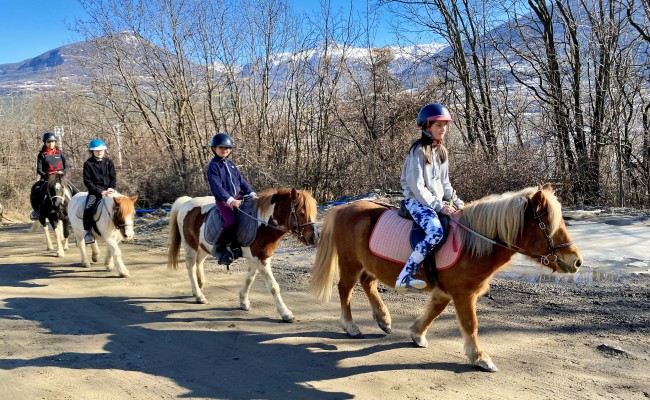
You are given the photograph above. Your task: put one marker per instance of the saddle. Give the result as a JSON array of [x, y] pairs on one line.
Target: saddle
[[395, 235], [97, 214], [227, 248]]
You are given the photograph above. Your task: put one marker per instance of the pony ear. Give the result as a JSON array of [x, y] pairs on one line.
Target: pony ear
[[118, 200], [538, 201], [294, 194], [134, 198], [548, 187]]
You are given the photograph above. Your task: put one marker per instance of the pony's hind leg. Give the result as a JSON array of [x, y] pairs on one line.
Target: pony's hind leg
[[439, 301], [244, 301], [347, 280], [379, 311], [264, 268], [94, 250], [191, 257]]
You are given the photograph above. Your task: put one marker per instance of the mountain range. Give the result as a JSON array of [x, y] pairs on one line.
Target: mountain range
[[48, 70]]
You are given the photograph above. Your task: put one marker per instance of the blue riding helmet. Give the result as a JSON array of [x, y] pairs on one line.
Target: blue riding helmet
[[97, 144], [222, 140], [433, 112], [49, 136]]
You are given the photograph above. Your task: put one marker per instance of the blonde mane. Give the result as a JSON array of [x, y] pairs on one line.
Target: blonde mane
[[501, 216]]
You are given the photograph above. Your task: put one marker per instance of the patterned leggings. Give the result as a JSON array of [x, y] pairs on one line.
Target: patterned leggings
[[428, 220]]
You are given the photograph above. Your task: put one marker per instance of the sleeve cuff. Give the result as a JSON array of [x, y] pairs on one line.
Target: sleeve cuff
[[230, 199]]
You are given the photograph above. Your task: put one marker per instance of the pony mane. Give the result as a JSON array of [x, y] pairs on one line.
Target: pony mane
[[126, 208], [53, 178], [501, 216], [265, 207]]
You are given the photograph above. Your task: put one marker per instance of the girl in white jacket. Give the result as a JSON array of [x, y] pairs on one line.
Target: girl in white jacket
[[426, 188]]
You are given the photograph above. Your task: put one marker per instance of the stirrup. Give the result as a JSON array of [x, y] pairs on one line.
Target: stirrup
[[226, 258], [410, 283]]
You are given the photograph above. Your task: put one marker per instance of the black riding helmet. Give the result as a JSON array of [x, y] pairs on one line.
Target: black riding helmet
[[222, 140], [433, 112], [48, 136]]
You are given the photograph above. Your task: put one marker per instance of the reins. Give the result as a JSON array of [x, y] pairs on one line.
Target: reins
[[544, 259], [293, 214]]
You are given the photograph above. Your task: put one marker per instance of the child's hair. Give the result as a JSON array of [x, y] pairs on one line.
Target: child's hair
[[427, 148]]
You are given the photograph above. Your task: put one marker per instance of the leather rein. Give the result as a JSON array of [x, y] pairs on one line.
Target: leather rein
[[544, 259]]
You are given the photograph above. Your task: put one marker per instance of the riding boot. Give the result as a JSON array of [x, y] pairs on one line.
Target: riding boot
[[89, 238], [406, 279], [34, 215]]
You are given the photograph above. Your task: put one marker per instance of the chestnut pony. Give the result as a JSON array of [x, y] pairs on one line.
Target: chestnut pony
[[529, 221], [279, 211]]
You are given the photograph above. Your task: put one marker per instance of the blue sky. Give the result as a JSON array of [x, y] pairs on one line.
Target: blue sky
[[32, 27]]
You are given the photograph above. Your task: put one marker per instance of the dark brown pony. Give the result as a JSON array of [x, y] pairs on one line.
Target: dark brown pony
[[529, 221], [279, 211]]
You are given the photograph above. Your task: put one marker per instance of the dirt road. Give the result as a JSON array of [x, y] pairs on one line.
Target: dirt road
[[67, 332]]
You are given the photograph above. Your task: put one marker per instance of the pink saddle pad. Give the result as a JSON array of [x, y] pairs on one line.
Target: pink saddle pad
[[390, 240]]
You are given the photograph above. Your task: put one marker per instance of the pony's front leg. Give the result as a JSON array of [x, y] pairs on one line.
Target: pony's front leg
[[58, 235], [47, 237], [439, 301], [265, 269], [115, 251], [466, 315]]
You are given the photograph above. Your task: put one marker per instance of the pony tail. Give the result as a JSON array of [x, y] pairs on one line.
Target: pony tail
[[326, 266], [174, 242]]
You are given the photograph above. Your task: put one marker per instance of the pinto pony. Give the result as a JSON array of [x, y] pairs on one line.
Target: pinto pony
[[53, 207], [529, 221], [279, 211], [114, 220]]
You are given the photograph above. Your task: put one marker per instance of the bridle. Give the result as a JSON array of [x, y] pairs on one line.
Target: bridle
[[543, 259], [298, 229]]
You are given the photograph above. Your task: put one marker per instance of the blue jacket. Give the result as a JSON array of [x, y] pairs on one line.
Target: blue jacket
[[225, 180]]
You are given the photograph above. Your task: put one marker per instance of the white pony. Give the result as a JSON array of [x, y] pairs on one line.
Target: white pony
[[114, 219]]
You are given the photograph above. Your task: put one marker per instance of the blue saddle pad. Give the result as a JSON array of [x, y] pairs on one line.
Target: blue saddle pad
[[246, 224]]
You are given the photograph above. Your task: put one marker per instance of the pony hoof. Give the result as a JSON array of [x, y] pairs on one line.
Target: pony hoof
[[95, 258], [419, 341], [357, 335], [288, 318], [245, 306], [486, 365], [201, 300], [124, 275], [60, 255], [386, 328], [66, 248]]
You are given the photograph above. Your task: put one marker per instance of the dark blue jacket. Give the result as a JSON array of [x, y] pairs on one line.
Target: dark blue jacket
[[225, 180]]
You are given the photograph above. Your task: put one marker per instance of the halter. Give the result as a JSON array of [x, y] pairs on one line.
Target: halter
[[543, 259]]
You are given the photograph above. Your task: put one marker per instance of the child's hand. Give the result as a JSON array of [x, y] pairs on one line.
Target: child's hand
[[235, 203]]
